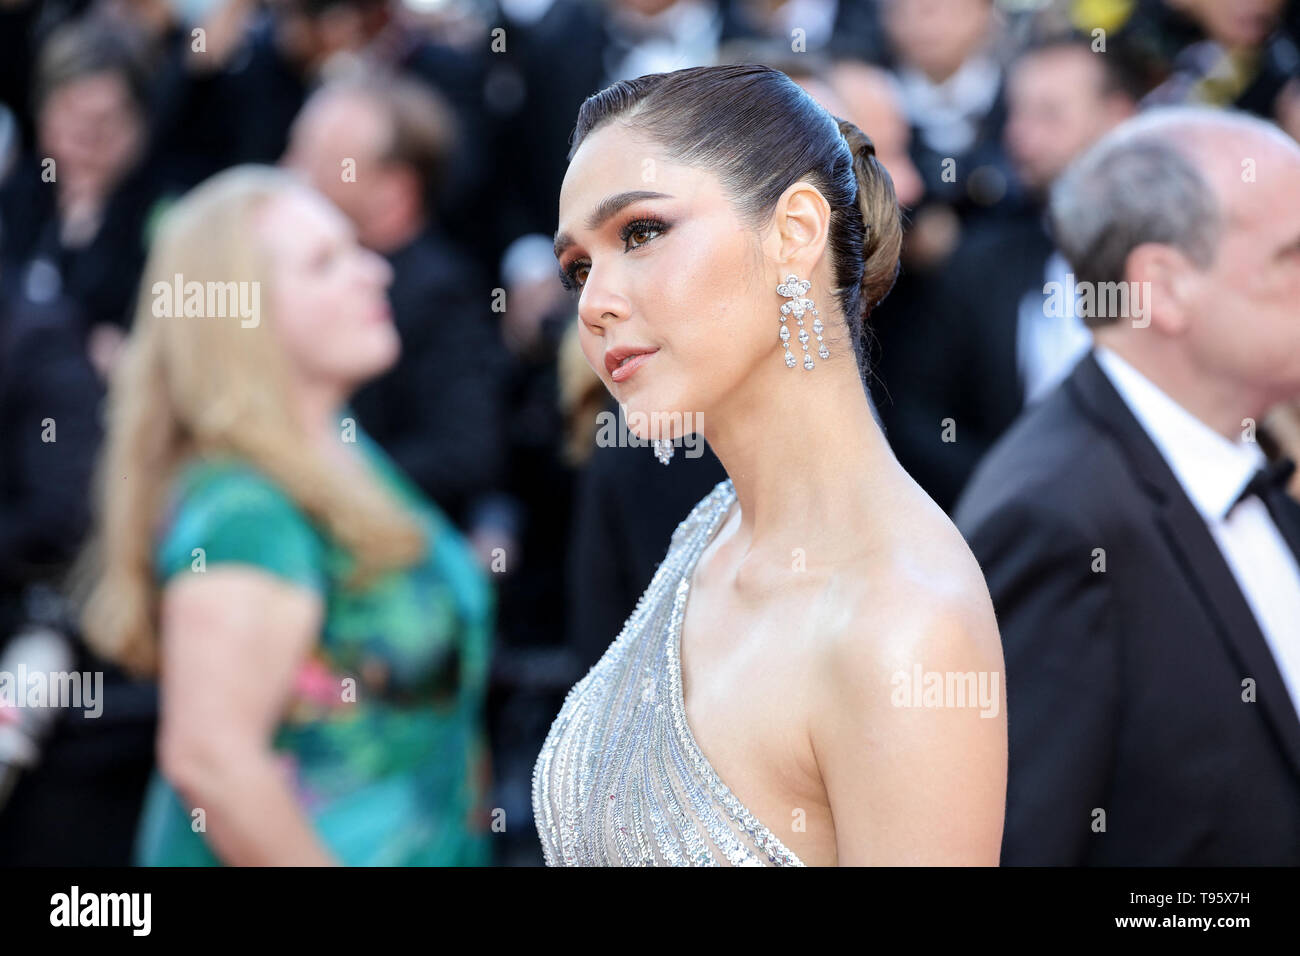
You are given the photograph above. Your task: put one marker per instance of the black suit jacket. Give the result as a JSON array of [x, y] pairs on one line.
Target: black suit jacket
[[45, 475], [439, 411], [1125, 685]]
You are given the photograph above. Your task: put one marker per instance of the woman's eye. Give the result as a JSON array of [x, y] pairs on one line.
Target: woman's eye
[[569, 276], [643, 229], [640, 231]]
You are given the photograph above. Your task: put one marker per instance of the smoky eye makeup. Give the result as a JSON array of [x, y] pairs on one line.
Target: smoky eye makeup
[[651, 226]]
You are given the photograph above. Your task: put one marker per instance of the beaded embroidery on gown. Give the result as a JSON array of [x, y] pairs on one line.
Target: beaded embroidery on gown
[[620, 780]]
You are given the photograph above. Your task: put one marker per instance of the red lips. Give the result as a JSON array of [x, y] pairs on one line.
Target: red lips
[[614, 358]]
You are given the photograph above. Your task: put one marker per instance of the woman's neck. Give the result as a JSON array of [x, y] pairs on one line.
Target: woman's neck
[[318, 407], [801, 447]]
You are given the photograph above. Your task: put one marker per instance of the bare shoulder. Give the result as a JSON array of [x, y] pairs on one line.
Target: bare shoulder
[[909, 730], [920, 595], [232, 615]]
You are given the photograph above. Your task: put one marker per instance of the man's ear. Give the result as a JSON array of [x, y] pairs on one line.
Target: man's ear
[[1159, 278], [406, 185]]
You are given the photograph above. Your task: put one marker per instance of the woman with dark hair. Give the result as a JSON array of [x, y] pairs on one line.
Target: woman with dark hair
[[814, 675]]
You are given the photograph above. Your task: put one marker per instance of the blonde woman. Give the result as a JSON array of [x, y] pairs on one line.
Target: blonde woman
[[320, 632]]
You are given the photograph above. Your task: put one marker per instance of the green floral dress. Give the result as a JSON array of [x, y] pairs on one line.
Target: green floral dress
[[383, 735]]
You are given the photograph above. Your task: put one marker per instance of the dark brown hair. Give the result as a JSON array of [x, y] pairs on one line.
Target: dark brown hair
[[86, 47], [759, 132]]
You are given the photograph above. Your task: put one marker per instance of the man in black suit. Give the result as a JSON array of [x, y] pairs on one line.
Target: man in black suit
[[1141, 556]]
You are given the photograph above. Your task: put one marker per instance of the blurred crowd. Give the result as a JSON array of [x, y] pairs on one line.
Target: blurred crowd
[[440, 128]]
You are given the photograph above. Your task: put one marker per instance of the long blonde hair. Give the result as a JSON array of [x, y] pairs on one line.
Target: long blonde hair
[[191, 387], [582, 397]]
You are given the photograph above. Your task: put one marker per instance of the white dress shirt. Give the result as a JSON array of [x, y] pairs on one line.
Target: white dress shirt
[[1048, 344], [685, 33], [947, 115], [1213, 471]]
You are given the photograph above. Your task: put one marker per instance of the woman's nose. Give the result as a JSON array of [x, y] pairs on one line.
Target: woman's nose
[[600, 305]]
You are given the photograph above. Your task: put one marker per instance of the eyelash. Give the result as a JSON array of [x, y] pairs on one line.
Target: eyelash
[[567, 277]]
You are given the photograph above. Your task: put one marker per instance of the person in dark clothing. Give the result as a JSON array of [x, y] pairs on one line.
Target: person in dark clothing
[[49, 435], [438, 413], [379, 150], [951, 77], [1142, 556], [73, 222], [1223, 54], [73, 217], [235, 100], [535, 105], [978, 342], [78, 805]]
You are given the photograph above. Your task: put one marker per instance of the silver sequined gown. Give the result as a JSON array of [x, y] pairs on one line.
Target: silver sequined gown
[[620, 780]]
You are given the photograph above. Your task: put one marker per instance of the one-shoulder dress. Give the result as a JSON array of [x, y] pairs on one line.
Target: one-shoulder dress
[[620, 780]]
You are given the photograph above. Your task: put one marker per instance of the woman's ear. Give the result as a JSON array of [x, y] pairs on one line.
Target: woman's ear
[[799, 230]]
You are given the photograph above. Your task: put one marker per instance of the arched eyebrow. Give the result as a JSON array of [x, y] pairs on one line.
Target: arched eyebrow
[[609, 206]]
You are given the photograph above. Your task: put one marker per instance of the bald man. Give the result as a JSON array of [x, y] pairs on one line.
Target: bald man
[[1139, 548], [873, 101], [379, 149]]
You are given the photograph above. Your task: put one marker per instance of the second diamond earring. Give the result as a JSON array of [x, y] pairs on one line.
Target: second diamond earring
[[793, 288]]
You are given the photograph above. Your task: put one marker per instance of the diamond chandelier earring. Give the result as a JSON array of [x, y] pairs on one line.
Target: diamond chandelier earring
[[663, 449], [793, 288]]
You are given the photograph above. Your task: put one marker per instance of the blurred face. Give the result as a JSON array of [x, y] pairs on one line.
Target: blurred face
[[328, 294], [331, 129], [91, 129], [674, 275], [937, 36], [1245, 308], [1235, 23], [294, 35], [872, 104], [1056, 109], [308, 39]]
